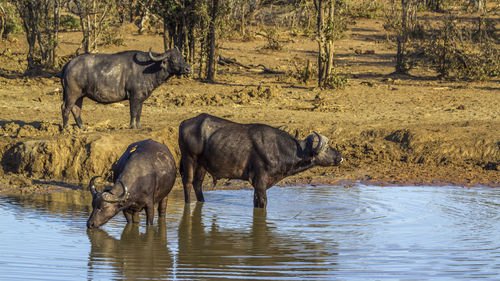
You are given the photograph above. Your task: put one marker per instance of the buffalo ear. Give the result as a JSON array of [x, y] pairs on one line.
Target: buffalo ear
[[310, 145]]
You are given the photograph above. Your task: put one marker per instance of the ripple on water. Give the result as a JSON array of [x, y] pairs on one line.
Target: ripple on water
[[313, 233]]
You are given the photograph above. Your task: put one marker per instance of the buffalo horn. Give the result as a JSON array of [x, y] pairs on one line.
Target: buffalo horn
[[92, 188], [108, 197], [322, 142], [125, 190], [158, 58]]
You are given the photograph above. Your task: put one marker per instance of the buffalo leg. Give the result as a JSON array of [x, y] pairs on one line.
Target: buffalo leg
[[259, 198], [260, 195], [135, 114], [131, 216], [135, 217], [71, 105], [162, 207], [77, 110], [199, 175], [128, 216], [65, 114], [138, 116], [150, 213], [187, 172]]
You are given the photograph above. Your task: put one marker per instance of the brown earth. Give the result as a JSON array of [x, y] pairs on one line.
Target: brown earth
[[392, 129]]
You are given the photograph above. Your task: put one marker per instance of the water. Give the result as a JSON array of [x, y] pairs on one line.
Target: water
[[307, 233]]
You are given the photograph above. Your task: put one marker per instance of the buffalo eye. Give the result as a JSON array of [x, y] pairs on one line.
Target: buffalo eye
[[164, 64]]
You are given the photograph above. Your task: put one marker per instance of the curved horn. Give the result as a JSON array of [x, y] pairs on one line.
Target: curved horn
[[158, 58], [109, 197], [125, 190], [92, 188], [322, 143]]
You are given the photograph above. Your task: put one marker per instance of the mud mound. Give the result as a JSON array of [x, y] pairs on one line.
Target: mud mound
[[64, 158], [70, 156], [420, 146], [21, 129]]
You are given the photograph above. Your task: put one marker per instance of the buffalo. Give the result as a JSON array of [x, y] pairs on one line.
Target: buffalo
[[259, 153], [143, 176], [110, 78]]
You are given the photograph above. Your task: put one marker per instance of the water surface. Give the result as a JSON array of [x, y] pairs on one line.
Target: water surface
[[307, 233]]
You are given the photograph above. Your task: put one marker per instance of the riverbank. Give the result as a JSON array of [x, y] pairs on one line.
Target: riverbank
[[391, 129]]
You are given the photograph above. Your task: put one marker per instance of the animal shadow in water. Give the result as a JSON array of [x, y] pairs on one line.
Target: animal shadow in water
[[216, 246], [135, 255]]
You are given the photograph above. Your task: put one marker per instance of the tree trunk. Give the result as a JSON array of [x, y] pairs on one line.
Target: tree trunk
[[55, 32], [3, 21], [321, 41], [166, 38], [211, 36], [92, 15], [203, 48], [191, 45], [434, 5], [478, 5], [142, 21], [408, 24], [329, 44], [41, 23]]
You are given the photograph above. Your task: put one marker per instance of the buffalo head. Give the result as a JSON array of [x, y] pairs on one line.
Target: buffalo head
[[172, 61], [105, 205], [323, 154]]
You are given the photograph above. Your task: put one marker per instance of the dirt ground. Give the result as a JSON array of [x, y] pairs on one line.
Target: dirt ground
[[391, 129]]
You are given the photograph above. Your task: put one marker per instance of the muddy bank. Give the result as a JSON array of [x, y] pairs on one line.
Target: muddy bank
[[38, 155], [413, 129]]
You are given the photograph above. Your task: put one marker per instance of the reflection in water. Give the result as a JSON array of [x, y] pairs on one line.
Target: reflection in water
[[205, 251], [134, 256], [313, 233], [56, 203], [214, 251]]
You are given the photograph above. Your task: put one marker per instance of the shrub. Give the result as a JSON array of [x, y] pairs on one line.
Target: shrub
[[69, 22], [112, 36], [11, 22], [367, 9], [272, 37], [459, 49], [338, 79], [304, 73]]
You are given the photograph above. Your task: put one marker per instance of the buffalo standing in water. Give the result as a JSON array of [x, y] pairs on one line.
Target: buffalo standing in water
[[143, 176], [258, 153], [109, 78]]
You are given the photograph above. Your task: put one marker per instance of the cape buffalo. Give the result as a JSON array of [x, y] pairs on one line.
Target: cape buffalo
[[258, 153], [143, 176], [109, 78]]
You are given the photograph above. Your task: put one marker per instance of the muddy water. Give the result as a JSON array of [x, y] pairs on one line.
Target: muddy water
[[307, 233]]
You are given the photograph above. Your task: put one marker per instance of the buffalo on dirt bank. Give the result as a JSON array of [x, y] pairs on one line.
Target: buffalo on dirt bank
[[143, 176], [109, 78], [258, 153]]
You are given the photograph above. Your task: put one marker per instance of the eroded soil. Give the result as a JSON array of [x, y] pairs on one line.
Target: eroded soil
[[392, 129]]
